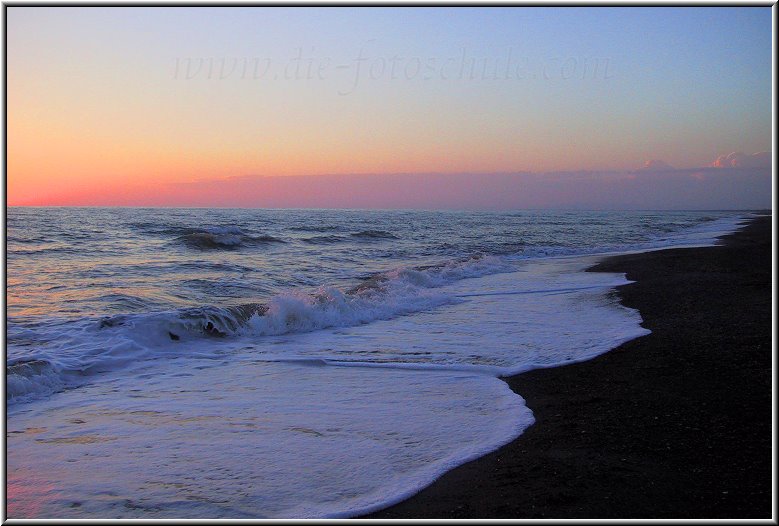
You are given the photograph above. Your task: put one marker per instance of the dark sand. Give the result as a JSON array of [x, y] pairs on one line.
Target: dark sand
[[675, 424]]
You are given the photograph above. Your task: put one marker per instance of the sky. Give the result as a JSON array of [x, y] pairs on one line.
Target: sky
[[368, 107]]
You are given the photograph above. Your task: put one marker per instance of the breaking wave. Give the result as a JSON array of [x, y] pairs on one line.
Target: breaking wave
[[122, 339], [28, 378], [223, 237]]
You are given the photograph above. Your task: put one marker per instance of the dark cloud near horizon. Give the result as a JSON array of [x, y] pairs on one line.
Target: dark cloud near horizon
[[704, 188]]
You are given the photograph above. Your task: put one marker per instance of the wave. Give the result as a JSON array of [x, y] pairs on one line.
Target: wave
[[207, 237], [222, 238], [324, 240], [123, 302], [208, 321], [315, 228], [49, 248], [363, 235], [374, 234], [90, 346], [399, 291], [11, 238], [32, 377], [60, 352]]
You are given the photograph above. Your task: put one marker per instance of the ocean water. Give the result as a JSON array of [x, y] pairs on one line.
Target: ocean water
[[235, 363]]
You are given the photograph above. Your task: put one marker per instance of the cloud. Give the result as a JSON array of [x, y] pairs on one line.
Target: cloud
[[656, 165], [700, 188], [742, 160], [669, 189]]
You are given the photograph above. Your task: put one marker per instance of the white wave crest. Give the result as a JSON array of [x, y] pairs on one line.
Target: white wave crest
[[88, 346], [32, 378]]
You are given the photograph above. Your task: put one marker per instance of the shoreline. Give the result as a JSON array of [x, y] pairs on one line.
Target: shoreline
[[655, 428]]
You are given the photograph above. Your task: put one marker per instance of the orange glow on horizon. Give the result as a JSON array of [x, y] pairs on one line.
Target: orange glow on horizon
[[98, 113]]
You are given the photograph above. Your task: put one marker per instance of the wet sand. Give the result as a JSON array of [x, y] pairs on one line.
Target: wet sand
[[675, 424]]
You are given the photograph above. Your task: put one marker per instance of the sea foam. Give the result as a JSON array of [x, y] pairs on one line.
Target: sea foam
[[85, 347], [328, 423], [329, 402]]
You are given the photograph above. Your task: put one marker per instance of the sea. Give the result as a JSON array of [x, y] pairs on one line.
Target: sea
[[254, 363]]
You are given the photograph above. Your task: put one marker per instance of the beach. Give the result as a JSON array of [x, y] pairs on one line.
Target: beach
[[266, 263], [345, 399], [674, 424]]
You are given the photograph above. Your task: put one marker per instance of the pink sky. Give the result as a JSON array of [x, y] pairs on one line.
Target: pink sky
[[100, 113], [705, 188]]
